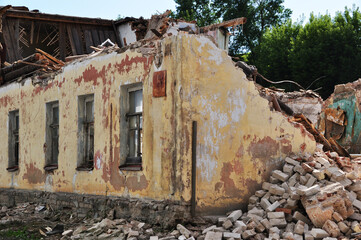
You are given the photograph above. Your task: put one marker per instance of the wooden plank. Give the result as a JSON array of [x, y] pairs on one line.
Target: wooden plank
[[81, 39], [16, 38], [10, 56], [62, 41], [88, 40], [70, 35], [101, 36], [76, 40], [95, 36]]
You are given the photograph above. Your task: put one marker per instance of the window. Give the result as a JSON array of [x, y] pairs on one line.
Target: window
[[86, 132], [134, 118], [13, 141], [52, 136]]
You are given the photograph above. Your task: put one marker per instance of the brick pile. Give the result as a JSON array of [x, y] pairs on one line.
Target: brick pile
[[314, 197]]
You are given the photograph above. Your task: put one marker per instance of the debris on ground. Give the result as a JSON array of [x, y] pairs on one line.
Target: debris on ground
[[311, 197]]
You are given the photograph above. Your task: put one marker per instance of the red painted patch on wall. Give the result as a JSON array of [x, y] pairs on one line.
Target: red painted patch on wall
[[33, 174], [263, 148], [4, 101]]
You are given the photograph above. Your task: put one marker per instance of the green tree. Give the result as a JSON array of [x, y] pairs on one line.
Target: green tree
[[260, 14], [324, 47], [202, 11]]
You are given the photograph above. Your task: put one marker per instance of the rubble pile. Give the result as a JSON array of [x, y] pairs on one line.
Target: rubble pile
[[312, 197]]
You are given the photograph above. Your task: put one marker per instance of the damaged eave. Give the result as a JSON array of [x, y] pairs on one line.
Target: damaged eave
[[12, 13]]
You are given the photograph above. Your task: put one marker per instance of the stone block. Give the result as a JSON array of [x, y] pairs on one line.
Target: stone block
[[280, 175], [266, 185], [260, 228], [253, 199], [183, 230], [235, 215], [324, 162], [331, 228], [355, 226], [357, 204], [227, 224], [308, 236], [319, 233], [299, 169], [278, 222], [299, 216], [231, 235], [291, 202], [265, 203], [311, 181], [318, 174], [343, 227], [256, 211], [305, 191], [274, 180], [240, 224], [330, 170], [307, 167], [356, 186], [291, 161], [288, 168], [337, 217], [260, 193], [271, 215], [265, 222], [213, 236], [273, 206], [303, 180], [276, 190], [248, 234], [299, 227], [209, 229]]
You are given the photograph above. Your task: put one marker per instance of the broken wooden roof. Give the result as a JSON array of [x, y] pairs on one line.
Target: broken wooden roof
[[59, 35]]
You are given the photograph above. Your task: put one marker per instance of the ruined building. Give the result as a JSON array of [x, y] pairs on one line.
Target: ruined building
[[163, 123]]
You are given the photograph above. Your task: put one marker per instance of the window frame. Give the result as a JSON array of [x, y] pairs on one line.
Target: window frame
[[13, 141], [133, 163], [51, 127], [86, 134]]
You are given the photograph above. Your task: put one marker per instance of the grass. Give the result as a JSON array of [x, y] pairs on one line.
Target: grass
[[20, 234]]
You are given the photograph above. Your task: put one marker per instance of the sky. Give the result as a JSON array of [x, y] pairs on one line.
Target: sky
[[111, 9]]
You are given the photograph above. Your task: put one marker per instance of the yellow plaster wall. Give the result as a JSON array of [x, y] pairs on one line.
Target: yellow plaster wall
[[239, 138]]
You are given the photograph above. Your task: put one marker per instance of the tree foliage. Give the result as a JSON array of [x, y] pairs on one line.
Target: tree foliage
[[324, 47], [260, 14]]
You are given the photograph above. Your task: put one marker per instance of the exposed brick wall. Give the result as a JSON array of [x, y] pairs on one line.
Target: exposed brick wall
[[164, 213]]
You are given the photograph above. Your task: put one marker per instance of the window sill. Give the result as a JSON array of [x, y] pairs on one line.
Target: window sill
[[13, 169], [134, 167], [51, 167], [84, 169]]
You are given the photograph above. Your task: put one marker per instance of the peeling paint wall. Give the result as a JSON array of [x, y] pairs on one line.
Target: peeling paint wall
[[239, 139]]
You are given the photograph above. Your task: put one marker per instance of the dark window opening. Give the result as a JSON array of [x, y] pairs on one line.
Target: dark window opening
[[86, 125], [52, 136], [14, 146]]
